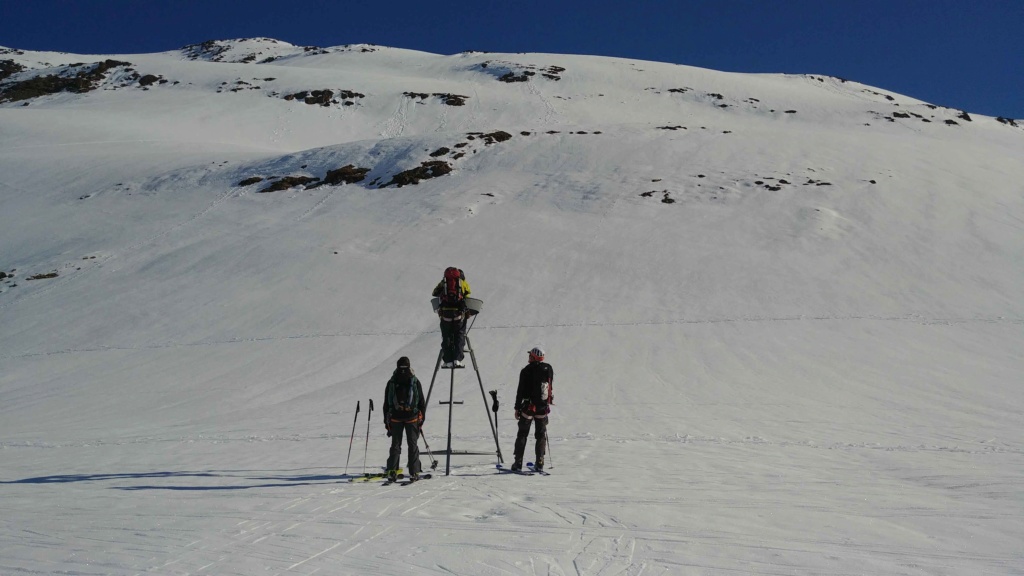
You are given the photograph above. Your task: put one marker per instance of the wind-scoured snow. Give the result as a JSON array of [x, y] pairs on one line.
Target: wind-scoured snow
[[785, 313]]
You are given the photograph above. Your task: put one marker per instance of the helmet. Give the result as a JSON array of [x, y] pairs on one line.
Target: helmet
[[403, 362], [536, 354]]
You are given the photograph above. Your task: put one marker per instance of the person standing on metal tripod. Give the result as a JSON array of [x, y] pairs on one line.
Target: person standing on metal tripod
[[451, 293]]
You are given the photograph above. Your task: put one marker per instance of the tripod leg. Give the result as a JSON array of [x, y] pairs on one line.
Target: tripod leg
[[451, 402], [494, 428], [437, 366]]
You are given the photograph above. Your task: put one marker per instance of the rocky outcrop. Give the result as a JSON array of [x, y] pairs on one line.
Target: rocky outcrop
[[325, 97], [491, 138], [250, 181], [349, 174], [448, 99], [511, 72], [424, 171], [9, 68], [76, 78], [288, 182]]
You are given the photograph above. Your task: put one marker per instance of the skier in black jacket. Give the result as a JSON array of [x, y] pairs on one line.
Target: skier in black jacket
[[533, 398], [404, 407]]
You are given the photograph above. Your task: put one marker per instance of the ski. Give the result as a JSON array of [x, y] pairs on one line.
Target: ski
[[503, 470], [534, 469], [414, 480], [370, 477]]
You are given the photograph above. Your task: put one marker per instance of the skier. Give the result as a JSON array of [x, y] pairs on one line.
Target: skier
[[451, 293], [404, 406], [533, 398]]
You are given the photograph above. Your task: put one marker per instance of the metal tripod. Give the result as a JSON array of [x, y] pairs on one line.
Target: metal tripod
[[451, 402]]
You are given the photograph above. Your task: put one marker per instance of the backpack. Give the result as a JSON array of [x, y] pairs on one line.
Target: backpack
[[404, 397], [544, 393], [451, 295]]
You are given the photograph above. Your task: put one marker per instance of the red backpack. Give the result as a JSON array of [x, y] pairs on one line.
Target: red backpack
[[452, 296]]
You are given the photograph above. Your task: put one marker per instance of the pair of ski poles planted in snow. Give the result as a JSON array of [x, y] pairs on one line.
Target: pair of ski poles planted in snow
[[369, 417]]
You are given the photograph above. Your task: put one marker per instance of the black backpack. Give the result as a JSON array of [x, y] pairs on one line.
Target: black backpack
[[404, 397]]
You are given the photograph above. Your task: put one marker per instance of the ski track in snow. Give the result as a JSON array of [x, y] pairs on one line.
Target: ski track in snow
[[577, 539], [550, 113], [319, 204], [396, 124], [269, 530], [442, 120]]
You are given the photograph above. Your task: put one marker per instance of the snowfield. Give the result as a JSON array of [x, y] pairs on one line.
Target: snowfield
[[785, 314]]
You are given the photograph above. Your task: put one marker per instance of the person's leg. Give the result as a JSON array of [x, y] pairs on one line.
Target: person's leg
[[394, 456], [412, 432], [541, 436], [447, 338], [520, 448], [460, 339]]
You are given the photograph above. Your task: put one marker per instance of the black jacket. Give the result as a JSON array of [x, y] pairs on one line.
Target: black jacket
[[403, 397], [535, 388]]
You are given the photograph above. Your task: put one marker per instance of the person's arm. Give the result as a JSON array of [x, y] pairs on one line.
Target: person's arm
[[551, 384], [387, 399], [387, 407], [423, 400], [520, 392]]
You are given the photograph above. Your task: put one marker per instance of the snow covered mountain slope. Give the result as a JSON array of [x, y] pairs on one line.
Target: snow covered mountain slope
[[785, 315]]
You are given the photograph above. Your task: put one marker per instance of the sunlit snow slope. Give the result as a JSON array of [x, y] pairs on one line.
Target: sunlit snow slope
[[785, 313]]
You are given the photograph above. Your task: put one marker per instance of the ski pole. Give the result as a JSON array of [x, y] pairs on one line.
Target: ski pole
[[433, 462], [352, 437], [547, 443], [369, 415], [494, 408]]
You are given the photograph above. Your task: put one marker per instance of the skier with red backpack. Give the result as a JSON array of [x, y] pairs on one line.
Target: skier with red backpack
[[533, 399], [451, 293]]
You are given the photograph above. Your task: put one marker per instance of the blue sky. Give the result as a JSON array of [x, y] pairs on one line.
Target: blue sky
[[966, 54]]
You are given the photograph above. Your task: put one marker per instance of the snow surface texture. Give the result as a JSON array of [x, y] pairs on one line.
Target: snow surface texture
[[786, 316]]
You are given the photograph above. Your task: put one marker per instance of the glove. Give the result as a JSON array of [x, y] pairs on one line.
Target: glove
[[518, 414]]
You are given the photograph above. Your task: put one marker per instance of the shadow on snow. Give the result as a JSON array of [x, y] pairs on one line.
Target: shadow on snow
[[264, 481]]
